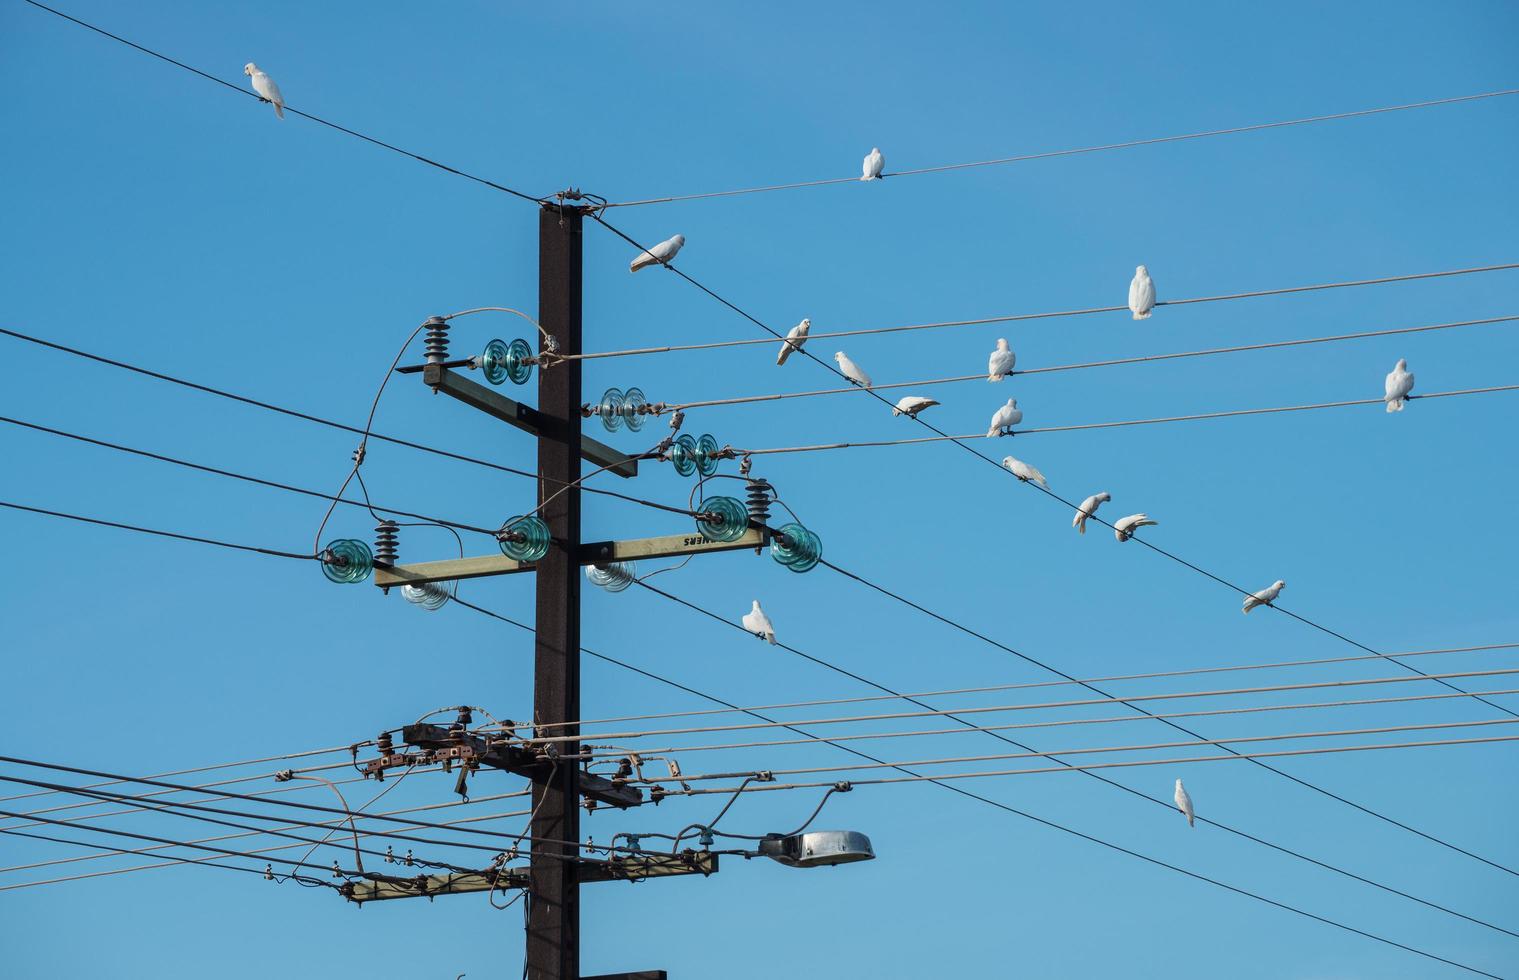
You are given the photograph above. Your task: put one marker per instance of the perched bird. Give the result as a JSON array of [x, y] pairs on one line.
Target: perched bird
[[265, 87], [1007, 416], [795, 338], [758, 623], [1265, 597], [871, 169], [1184, 803], [659, 254], [1142, 294], [911, 405], [1124, 527], [1000, 364], [1024, 471], [1087, 509], [851, 370], [1399, 383]]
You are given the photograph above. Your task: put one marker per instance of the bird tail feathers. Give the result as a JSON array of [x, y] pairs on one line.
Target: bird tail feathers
[[279, 110]]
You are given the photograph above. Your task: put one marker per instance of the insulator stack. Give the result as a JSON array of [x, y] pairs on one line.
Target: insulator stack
[[430, 596], [722, 519], [613, 576], [436, 344], [386, 543], [347, 561], [500, 361], [760, 495], [618, 408], [524, 538], [796, 548]]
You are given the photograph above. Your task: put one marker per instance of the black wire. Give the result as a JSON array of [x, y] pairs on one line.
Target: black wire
[[438, 521], [306, 115], [1003, 806], [201, 862], [154, 531], [1408, 667], [1111, 782], [304, 416]]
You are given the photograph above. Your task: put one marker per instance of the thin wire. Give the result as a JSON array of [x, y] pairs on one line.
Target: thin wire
[[1151, 141], [930, 712], [162, 534], [305, 115], [1101, 749], [621, 752], [1027, 684], [1112, 425], [1019, 317], [172, 862], [215, 471], [960, 791], [1143, 359], [304, 416], [1082, 767]]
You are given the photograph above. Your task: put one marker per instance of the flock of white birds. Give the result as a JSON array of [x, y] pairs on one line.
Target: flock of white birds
[[1399, 385]]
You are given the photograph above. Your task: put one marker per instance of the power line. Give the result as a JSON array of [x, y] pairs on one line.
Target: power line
[[1151, 141], [1112, 362], [216, 471], [1018, 317], [621, 752], [162, 534], [879, 443], [1014, 810], [305, 115], [1191, 671]]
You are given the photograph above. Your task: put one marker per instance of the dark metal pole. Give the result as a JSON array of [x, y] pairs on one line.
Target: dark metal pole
[[553, 930]]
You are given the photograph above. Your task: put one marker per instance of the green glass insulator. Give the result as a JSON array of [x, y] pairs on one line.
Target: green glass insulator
[[519, 361], [524, 538], [683, 454], [726, 519], [610, 409], [796, 547], [615, 577], [706, 454], [429, 595], [493, 361], [347, 561], [632, 401]]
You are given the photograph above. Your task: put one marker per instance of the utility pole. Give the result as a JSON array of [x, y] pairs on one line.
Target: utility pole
[[553, 929]]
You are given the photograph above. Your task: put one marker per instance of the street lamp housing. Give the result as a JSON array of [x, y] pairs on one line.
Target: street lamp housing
[[818, 848]]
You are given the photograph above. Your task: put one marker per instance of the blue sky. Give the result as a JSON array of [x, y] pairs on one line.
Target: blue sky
[[153, 217]]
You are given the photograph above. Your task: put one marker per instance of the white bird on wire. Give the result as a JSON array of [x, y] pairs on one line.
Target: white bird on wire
[[759, 624], [265, 87], [851, 370], [1399, 383], [659, 254], [1142, 294], [911, 405], [795, 338], [1184, 803], [1001, 362], [1024, 471], [1087, 509], [1003, 421], [1265, 597], [874, 162], [1124, 527]]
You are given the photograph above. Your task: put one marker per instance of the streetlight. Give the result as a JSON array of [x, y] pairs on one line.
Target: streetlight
[[817, 848]]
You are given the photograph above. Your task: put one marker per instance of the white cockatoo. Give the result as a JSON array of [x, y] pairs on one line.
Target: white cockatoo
[[1184, 803], [871, 168], [1124, 527], [851, 370], [1399, 383], [1265, 597], [265, 87], [1087, 509], [795, 338], [1007, 416], [1142, 294], [1001, 362], [659, 254], [756, 622], [1024, 471], [911, 405]]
